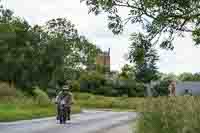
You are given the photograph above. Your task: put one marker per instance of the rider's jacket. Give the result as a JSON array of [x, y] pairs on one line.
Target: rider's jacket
[[65, 98]]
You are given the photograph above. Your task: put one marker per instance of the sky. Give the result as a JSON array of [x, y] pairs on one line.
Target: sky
[[184, 58]]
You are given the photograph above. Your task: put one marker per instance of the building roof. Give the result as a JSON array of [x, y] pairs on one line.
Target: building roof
[[193, 86]]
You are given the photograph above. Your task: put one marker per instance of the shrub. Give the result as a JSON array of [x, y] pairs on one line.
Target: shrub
[[105, 90], [161, 89], [140, 90], [90, 81], [75, 86], [41, 97], [83, 96]]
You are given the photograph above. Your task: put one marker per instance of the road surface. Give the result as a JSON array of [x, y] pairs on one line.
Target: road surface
[[85, 122], [126, 128]]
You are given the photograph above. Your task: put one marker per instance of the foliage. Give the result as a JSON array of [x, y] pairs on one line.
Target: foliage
[[75, 86], [95, 82], [106, 91], [77, 49], [170, 76], [26, 51], [161, 89], [41, 97], [189, 77], [121, 103], [162, 20], [91, 81], [127, 72], [144, 56]]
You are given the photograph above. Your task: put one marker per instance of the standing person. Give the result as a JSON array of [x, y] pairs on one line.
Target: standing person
[[172, 88], [187, 93]]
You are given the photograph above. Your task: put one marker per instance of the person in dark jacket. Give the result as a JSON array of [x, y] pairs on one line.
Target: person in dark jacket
[[65, 97]]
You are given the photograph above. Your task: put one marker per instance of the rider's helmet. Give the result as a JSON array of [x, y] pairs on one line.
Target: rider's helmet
[[65, 87]]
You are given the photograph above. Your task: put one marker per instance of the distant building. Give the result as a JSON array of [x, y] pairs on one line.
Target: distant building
[[103, 60], [192, 87]]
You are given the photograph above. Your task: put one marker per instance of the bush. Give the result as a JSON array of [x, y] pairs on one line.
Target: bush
[[140, 90], [105, 90], [131, 89], [41, 97], [91, 81], [75, 86], [161, 89], [83, 96]]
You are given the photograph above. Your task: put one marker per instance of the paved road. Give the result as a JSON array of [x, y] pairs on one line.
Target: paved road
[[126, 128], [86, 122]]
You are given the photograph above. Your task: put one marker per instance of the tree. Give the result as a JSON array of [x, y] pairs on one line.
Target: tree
[[189, 77], [170, 76], [78, 51], [15, 46], [91, 81], [161, 89], [127, 72], [42, 56], [157, 17], [144, 56], [185, 77], [197, 77]]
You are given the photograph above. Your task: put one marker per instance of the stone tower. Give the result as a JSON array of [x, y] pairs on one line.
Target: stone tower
[[103, 60]]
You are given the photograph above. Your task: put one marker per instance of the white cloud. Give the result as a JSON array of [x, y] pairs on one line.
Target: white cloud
[[184, 58]]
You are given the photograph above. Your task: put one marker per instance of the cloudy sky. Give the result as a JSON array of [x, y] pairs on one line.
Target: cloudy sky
[[185, 57]]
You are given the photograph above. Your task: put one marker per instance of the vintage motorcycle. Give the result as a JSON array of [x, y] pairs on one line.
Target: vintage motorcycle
[[62, 116]]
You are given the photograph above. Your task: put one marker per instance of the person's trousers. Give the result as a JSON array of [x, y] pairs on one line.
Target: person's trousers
[[58, 112], [67, 111]]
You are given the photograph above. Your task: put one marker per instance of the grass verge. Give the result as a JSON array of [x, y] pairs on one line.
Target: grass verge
[[11, 112], [26, 108], [85, 100]]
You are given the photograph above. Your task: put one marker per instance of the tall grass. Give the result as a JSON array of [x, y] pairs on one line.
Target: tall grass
[[170, 115]]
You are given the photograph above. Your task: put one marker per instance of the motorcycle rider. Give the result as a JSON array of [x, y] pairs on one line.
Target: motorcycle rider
[[65, 96]]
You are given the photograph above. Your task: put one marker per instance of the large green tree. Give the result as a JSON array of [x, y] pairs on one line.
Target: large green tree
[[144, 56], [78, 51], [26, 53], [189, 77], [158, 17], [41, 55]]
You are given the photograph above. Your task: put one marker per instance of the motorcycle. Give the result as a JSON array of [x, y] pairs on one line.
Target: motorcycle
[[62, 113]]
